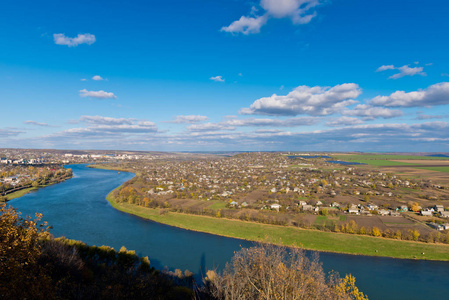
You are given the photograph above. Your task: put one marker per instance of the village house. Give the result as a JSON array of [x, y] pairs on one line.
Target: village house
[[426, 212], [403, 208], [383, 212], [439, 208], [444, 214], [233, 204], [307, 207], [372, 207], [395, 214], [275, 206], [353, 209]]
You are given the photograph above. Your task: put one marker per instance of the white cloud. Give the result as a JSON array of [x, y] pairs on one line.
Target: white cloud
[[299, 11], [99, 120], [233, 123], [343, 121], [106, 129], [29, 122], [291, 122], [403, 71], [385, 67], [97, 94], [217, 78], [428, 117], [8, 132], [246, 25], [189, 119], [369, 112], [83, 79], [61, 39], [437, 94], [97, 77], [407, 71], [307, 100], [210, 127]]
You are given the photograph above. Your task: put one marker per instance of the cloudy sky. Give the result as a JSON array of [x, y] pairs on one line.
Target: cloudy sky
[[208, 75]]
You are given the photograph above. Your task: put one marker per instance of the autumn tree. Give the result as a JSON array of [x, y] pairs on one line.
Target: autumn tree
[[272, 272], [19, 252], [376, 231]]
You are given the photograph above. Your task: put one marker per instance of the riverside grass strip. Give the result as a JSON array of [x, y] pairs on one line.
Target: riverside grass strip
[[292, 236]]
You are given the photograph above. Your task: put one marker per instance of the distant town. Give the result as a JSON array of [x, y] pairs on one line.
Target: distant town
[[310, 190]]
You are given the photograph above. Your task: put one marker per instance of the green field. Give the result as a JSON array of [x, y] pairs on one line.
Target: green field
[[291, 236], [438, 169], [217, 204], [381, 163], [320, 220], [381, 160], [357, 157]]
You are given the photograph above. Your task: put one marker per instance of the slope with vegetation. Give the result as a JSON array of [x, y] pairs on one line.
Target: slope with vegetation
[[34, 265]]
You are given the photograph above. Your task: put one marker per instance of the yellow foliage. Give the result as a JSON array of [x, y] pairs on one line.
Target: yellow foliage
[[376, 231], [347, 287]]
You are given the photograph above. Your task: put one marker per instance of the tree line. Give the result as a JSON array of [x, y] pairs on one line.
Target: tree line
[[35, 265]]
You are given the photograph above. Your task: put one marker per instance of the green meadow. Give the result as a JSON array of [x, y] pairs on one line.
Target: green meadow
[[291, 236]]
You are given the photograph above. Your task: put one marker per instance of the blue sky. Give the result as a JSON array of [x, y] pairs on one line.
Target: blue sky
[[189, 75]]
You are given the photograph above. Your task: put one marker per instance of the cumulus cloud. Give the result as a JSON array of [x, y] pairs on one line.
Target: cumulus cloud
[[233, 123], [403, 71], [291, 122], [99, 120], [246, 25], [97, 94], [343, 121], [428, 117], [299, 11], [306, 100], [423, 137], [369, 112], [97, 77], [385, 67], [365, 137], [61, 39], [217, 78], [210, 127], [190, 119], [437, 94], [106, 129]]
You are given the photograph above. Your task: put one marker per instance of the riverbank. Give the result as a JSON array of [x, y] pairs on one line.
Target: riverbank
[[291, 236], [24, 191], [19, 193]]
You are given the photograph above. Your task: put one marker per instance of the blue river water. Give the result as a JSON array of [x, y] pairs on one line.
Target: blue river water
[[77, 209]]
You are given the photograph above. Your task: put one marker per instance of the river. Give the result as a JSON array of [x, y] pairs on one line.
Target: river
[[77, 209]]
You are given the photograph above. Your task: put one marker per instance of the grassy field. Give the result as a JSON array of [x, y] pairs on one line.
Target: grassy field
[[438, 169], [382, 163], [291, 236], [381, 160], [217, 205], [20, 193], [357, 157]]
